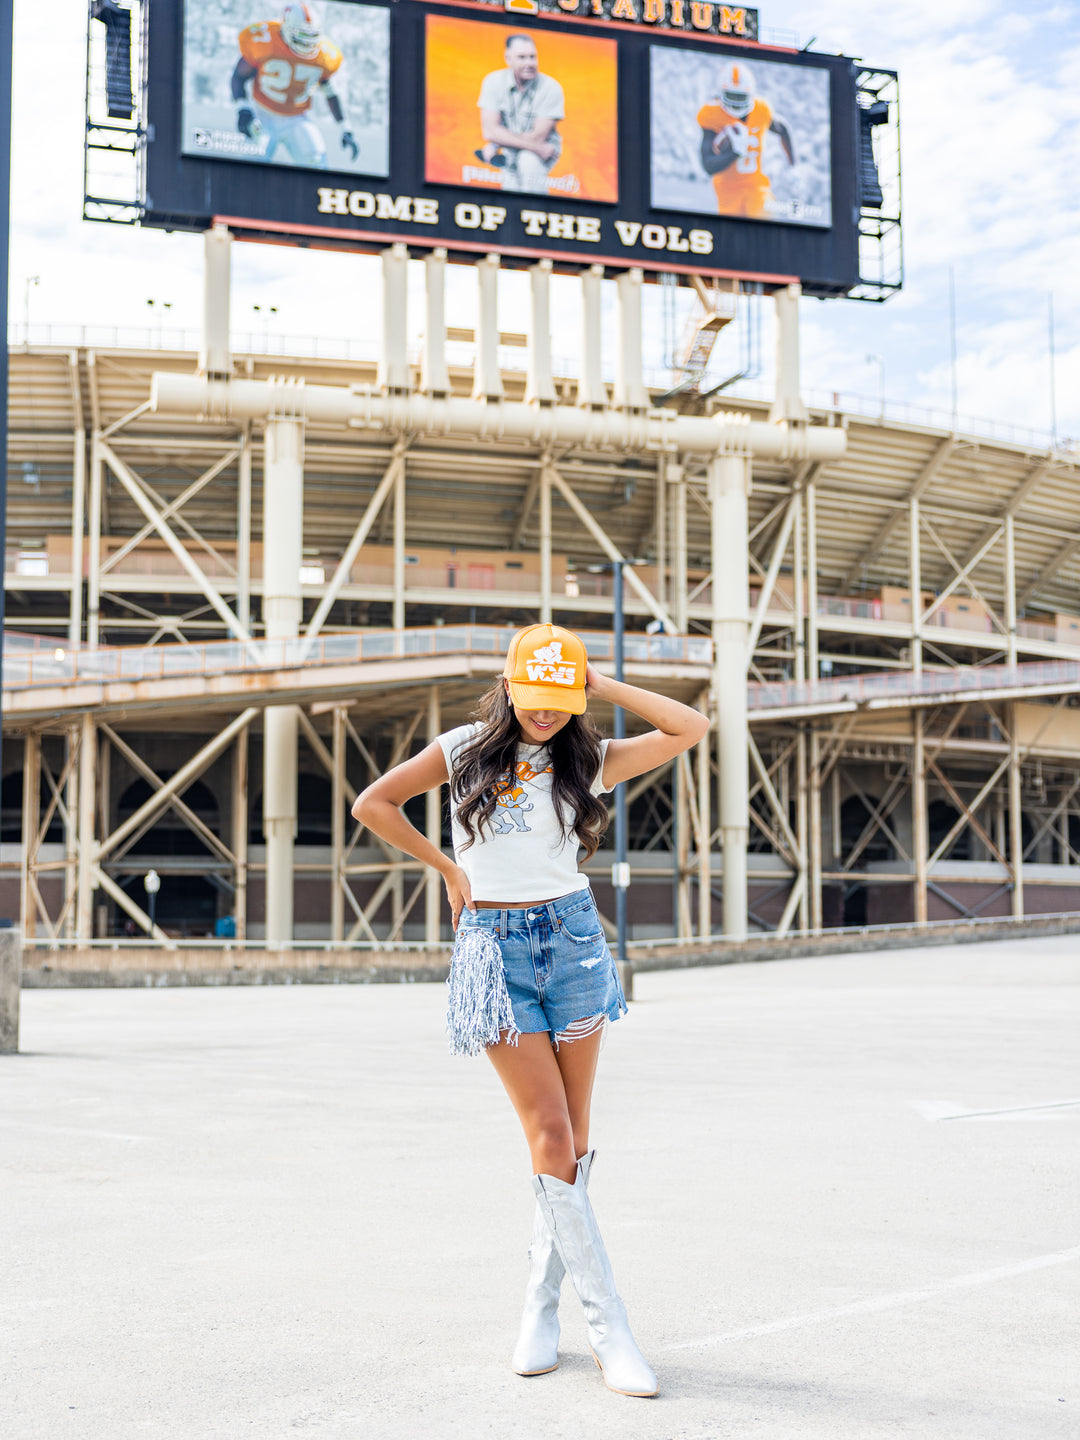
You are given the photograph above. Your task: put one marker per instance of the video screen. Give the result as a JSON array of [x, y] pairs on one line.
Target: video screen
[[286, 84], [738, 138], [520, 110]]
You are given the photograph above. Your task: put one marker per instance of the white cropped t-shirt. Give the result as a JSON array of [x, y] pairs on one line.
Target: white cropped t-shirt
[[525, 855]]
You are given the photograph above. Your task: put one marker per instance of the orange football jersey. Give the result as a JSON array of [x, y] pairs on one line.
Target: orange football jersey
[[741, 188], [285, 82]]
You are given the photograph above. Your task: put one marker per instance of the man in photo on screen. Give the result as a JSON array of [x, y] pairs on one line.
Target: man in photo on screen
[[519, 111], [734, 124], [288, 62]]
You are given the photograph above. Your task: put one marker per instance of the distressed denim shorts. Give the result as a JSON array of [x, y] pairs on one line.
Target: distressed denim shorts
[[559, 971]]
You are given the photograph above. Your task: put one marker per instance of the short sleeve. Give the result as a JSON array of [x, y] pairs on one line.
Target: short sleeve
[[330, 58], [490, 97], [598, 787], [452, 742], [551, 104]]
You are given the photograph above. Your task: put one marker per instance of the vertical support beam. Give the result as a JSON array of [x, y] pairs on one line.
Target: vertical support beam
[[704, 857], [676, 478], [591, 392], [434, 373], [1010, 588], [280, 726], [683, 927], [433, 827], [397, 882], [630, 391], [915, 581], [31, 818], [337, 828], [920, 837], [660, 511], [540, 382], [393, 376], [215, 357], [398, 619], [103, 786], [243, 532], [813, 665], [71, 829], [78, 540], [1016, 814], [729, 487], [834, 817], [283, 534], [93, 569], [84, 923], [802, 825], [545, 544], [815, 837], [240, 756], [788, 407], [487, 382], [798, 589]]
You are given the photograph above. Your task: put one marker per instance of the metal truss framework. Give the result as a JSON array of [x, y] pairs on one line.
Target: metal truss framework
[[937, 806]]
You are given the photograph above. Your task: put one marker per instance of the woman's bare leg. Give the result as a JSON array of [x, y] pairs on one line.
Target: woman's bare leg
[[551, 1092]]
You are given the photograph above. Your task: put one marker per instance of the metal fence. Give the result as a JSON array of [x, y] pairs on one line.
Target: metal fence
[[30, 661]]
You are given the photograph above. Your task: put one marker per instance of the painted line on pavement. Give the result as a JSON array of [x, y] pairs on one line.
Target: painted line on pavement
[[884, 1302], [1012, 1110]]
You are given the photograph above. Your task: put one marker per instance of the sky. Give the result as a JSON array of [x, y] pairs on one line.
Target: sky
[[990, 106]]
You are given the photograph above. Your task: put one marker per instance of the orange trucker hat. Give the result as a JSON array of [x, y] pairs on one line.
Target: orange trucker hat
[[545, 666]]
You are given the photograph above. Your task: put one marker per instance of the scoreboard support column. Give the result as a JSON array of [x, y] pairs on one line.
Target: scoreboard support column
[[434, 374], [540, 384], [394, 375], [630, 392], [591, 392], [488, 382]]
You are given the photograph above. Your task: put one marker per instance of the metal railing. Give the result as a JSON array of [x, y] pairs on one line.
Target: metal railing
[[901, 683], [53, 663]]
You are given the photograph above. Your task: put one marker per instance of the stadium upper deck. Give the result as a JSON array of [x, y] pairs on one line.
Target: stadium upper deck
[[983, 534]]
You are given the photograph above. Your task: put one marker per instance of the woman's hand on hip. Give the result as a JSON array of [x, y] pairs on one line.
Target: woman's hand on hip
[[458, 892]]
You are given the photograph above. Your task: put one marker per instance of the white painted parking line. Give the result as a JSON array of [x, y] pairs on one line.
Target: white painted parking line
[[884, 1302], [1012, 1110]]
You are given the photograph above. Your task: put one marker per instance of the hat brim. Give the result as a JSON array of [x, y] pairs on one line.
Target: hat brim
[[566, 699]]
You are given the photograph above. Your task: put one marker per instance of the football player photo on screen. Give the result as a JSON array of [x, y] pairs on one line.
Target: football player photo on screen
[[521, 111], [289, 84], [750, 141]]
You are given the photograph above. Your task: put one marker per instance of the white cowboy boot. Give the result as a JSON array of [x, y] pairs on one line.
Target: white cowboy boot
[[577, 1238], [537, 1349]]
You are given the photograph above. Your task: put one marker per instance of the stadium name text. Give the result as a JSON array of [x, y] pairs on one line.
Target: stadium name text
[[539, 224], [702, 15]]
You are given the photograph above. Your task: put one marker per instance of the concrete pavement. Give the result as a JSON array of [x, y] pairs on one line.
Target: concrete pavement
[[273, 1212]]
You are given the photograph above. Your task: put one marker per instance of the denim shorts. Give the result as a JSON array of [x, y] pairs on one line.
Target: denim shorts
[[557, 964]]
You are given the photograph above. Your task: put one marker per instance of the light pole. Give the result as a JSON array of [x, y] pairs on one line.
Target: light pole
[[160, 306], [620, 877], [620, 871], [880, 363], [266, 313], [152, 884]]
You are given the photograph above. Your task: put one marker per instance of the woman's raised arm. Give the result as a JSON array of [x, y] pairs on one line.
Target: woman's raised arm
[[677, 727]]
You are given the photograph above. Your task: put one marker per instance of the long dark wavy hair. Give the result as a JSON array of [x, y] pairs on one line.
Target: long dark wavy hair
[[485, 769]]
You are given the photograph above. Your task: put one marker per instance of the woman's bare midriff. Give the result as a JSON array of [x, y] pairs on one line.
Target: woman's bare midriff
[[515, 904]]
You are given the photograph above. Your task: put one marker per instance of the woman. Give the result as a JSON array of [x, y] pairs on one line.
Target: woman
[[532, 982]]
